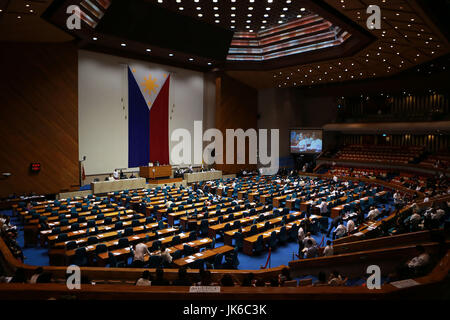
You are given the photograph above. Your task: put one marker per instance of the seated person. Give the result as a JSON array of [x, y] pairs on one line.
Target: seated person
[[284, 276], [417, 264], [340, 231], [182, 278], [227, 281], [160, 281], [328, 250], [336, 279], [165, 255], [145, 279]]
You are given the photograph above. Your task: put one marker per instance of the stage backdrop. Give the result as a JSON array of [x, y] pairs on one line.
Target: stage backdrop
[[128, 109]]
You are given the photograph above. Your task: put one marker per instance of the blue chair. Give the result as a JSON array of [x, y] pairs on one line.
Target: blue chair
[[128, 232], [283, 235], [293, 232], [62, 237], [218, 261], [204, 225], [74, 227], [259, 245], [123, 243], [156, 245], [175, 240], [238, 240], [92, 240], [187, 250], [80, 257], [273, 240], [176, 255], [118, 225], [56, 230], [71, 245], [154, 261], [161, 225]]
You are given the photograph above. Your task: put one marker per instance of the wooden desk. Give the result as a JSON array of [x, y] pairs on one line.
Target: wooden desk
[[207, 254], [155, 172], [228, 236], [117, 185], [202, 176], [250, 241]]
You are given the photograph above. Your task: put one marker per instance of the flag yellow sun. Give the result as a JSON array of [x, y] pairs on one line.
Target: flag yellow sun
[[150, 85]]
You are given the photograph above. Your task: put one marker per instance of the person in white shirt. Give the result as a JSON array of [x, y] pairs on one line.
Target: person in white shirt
[[350, 226], [116, 174], [415, 217], [309, 237], [144, 280], [328, 251], [438, 215], [323, 208], [140, 251], [373, 213], [165, 255], [419, 261], [340, 231], [37, 273], [168, 204]]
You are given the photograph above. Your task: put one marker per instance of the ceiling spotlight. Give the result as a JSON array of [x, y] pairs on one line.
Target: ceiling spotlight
[[148, 50], [123, 44]]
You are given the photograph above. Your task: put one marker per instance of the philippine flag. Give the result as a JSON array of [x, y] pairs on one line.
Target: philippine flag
[[148, 116]]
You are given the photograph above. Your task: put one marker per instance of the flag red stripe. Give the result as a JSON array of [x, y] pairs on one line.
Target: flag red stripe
[[159, 126]]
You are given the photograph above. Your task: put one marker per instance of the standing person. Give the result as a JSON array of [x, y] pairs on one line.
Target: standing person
[[140, 251], [300, 238], [334, 224], [116, 174], [309, 241]]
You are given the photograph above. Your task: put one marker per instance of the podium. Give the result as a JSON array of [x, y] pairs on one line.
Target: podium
[[154, 173]]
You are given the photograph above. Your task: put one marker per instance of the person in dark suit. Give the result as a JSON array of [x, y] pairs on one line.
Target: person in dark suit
[[182, 278], [160, 281], [334, 224]]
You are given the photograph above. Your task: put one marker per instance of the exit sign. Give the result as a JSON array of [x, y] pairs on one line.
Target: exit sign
[[35, 167]]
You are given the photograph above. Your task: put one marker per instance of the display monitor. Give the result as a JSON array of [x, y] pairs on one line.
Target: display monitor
[[306, 141]]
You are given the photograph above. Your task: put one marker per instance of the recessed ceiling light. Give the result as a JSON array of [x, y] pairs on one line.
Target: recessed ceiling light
[[148, 50], [123, 44], [191, 59], [170, 54], [94, 38]]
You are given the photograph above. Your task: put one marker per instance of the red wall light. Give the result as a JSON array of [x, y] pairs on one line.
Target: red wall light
[[35, 167]]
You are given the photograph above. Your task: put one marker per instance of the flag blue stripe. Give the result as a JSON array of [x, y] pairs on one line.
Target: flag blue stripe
[[138, 125]]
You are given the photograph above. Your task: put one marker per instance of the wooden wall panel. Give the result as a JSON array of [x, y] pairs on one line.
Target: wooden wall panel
[[38, 117], [236, 108]]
